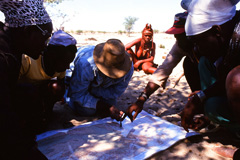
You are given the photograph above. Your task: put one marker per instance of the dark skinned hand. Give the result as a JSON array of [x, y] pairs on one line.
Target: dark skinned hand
[[200, 122], [104, 110], [56, 88], [137, 107], [189, 111], [115, 113]]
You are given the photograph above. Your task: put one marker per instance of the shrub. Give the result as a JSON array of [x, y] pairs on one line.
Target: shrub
[[79, 31], [155, 31], [120, 32], [161, 46]]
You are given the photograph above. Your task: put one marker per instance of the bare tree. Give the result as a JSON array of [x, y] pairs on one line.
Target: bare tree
[[129, 22], [53, 1], [57, 15]]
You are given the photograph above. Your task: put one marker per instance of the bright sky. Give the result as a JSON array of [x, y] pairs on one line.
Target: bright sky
[[109, 15]]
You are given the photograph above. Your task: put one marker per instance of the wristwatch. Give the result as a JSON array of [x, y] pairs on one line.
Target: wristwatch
[[201, 95]]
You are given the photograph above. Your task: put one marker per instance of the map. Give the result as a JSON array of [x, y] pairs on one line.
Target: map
[[105, 139]]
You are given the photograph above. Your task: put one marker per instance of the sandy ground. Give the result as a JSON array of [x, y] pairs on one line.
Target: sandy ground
[[166, 104]]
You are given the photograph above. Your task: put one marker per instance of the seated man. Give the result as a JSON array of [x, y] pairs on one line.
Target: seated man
[[144, 51], [46, 74], [212, 38], [180, 49], [101, 74]]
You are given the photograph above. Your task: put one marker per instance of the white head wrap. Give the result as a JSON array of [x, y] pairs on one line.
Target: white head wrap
[[19, 13], [203, 14], [61, 38]]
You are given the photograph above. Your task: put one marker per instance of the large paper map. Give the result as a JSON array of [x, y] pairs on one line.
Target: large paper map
[[104, 139]]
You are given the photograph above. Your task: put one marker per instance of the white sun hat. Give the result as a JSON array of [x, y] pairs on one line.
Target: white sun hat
[[203, 14]]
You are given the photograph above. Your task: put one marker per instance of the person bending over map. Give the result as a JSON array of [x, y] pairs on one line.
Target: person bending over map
[[45, 76], [101, 74]]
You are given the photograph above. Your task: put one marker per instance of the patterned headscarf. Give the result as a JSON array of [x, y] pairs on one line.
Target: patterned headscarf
[[19, 13]]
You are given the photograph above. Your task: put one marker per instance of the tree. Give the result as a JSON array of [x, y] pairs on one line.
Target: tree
[[129, 22], [58, 16]]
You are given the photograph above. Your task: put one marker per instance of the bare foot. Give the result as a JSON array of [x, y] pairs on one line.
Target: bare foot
[[224, 151]]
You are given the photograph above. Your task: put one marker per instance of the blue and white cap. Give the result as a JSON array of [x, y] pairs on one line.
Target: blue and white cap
[[61, 38]]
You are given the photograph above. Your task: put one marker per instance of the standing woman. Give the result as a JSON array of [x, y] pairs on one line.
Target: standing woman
[[26, 30], [144, 51]]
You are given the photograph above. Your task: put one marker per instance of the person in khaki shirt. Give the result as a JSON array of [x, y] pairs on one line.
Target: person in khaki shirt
[[32, 70], [45, 75], [26, 28]]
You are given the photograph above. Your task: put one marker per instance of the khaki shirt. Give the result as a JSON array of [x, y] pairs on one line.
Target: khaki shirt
[[32, 71]]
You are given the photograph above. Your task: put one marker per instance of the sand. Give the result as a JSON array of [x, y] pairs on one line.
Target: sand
[[166, 104]]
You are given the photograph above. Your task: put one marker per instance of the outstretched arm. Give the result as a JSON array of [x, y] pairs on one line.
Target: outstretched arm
[[133, 43], [138, 105], [171, 61]]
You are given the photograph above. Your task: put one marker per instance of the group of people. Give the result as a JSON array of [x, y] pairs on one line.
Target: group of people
[[27, 28], [211, 38], [213, 26], [208, 35], [33, 67], [34, 63]]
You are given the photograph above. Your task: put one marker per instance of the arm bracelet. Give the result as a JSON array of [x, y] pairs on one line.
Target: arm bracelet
[[144, 95], [201, 96]]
